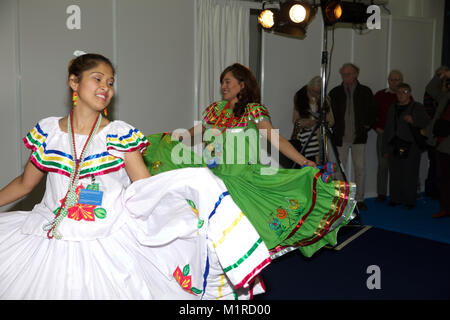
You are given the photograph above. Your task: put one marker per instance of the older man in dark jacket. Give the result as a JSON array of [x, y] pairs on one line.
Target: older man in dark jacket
[[355, 112], [439, 136]]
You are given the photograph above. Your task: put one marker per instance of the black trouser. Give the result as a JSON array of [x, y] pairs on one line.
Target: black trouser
[[443, 179], [403, 176], [431, 189]]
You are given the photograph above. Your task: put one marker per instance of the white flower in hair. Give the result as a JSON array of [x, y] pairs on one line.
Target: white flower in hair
[[78, 53]]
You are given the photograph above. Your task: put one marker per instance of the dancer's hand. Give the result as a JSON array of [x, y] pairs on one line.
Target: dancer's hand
[[309, 163]]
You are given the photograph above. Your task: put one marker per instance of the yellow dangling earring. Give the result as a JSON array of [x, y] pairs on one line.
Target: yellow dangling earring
[[105, 111], [74, 98]]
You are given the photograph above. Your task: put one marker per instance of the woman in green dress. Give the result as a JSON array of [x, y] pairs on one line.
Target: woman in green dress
[[289, 208]]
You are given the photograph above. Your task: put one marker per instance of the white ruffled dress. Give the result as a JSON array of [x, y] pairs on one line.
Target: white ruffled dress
[[177, 235]]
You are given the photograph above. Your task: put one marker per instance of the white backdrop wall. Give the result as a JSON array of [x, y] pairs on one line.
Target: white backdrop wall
[[9, 104], [409, 44], [155, 54], [151, 43]]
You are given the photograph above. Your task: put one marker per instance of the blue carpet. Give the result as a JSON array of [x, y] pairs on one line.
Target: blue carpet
[[409, 268], [416, 222], [410, 248]]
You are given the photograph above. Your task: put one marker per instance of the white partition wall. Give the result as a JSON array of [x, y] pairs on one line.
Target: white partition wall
[[288, 64], [413, 56], [9, 104], [155, 64], [151, 43], [371, 51], [49, 33]]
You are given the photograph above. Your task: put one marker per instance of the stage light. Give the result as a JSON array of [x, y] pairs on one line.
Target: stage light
[[331, 11], [354, 12], [267, 18], [335, 11], [291, 18], [297, 13]]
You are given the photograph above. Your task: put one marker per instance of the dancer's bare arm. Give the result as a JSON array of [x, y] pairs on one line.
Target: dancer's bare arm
[[22, 185]]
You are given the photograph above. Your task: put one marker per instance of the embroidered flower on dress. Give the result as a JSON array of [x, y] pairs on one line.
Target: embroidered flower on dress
[[282, 213], [185, 280], [82, 211]]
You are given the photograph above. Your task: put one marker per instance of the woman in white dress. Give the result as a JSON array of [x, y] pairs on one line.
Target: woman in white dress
[[105, 229]]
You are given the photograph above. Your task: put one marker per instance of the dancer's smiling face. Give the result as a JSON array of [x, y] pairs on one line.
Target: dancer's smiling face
[[95, 88], [231, 87]]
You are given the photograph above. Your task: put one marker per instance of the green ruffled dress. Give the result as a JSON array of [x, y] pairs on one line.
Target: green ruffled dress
[[289, 208]]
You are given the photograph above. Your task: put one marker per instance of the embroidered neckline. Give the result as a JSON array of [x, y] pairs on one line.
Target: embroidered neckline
[[53, 159], [212, 115]]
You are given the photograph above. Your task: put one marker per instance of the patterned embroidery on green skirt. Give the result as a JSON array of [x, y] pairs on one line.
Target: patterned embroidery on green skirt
[[284, 218], [156, 165]]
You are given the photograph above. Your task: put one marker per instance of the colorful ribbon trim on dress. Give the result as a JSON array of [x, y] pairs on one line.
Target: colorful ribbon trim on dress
[[314, 196], [250, 276], [212, 114], [213, 212], [337, 208], [132, 141], [255, 271], [339, 211], [96, 164]]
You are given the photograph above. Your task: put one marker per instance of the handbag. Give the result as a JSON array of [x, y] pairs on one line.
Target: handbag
[[401, 147]]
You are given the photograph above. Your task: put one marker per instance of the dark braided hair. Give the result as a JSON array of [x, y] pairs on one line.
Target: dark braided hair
[[86, 62], [250, 93]]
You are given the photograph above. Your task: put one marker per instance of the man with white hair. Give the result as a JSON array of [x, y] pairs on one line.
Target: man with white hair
[[385, 98], [355, 112]]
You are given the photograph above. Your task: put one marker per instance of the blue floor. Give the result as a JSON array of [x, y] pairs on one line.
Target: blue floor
[[417, 222], [410, 248], [409, 268]]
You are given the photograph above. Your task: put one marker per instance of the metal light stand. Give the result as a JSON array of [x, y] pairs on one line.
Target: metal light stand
[[322, 124]]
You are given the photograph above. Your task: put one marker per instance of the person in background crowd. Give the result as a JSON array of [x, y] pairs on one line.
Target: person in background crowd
[[431, 104], [355, 112], [401, 148], [307, 104], [385, 98], [438, 133]]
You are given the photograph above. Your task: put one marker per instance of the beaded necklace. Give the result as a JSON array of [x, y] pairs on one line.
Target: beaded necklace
[[71, 197]]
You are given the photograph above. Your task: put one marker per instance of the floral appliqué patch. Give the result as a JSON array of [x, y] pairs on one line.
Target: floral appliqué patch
[[82, 211], [185, 280]]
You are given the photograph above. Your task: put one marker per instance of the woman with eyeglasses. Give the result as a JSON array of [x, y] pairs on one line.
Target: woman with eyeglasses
[[401, 145]]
